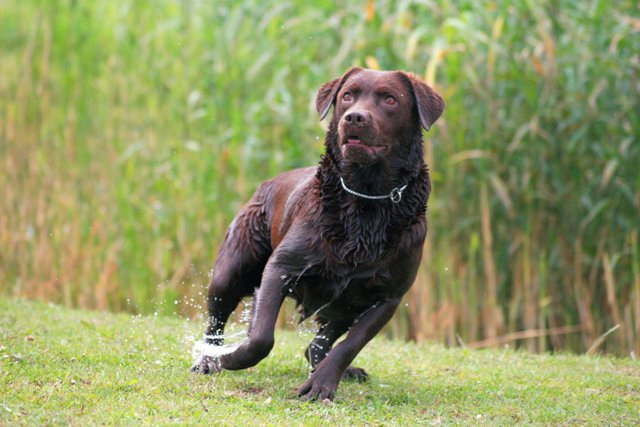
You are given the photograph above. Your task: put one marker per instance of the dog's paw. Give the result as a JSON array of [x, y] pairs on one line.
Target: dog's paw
[[353, 373], [318, 388], [207, 365]]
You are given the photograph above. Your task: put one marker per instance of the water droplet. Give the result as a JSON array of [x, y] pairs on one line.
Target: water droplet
[[201, 348]]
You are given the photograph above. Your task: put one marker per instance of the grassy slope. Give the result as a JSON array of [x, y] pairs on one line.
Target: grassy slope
[[76, 367]]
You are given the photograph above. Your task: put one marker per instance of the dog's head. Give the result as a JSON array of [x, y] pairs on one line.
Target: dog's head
[[377, 113]]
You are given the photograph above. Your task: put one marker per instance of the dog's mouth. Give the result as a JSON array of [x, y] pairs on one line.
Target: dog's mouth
[[357, 143]]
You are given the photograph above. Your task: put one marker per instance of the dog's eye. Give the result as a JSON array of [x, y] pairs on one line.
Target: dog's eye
[[390, 100], [346, 97]]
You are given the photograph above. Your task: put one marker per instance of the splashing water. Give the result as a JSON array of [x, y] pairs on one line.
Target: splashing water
[[201, 349]]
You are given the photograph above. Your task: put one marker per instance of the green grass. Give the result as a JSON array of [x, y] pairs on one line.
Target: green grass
[[68, 367]]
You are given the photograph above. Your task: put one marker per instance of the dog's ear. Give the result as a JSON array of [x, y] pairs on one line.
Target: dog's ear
[[430, 104], [326, 96]]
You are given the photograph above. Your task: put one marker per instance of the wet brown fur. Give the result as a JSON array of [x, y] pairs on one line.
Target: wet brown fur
[[345, 259]]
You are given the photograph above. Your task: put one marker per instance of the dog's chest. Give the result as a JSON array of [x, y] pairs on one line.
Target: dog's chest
[[331, 296]]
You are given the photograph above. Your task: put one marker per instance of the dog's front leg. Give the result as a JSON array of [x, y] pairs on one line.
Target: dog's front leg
[[267, 302], [323, 382]]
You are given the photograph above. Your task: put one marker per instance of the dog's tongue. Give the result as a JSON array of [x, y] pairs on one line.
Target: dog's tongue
[[354, 141]]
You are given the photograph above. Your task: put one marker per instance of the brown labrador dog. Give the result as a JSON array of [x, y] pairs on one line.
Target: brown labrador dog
[[344, 239]]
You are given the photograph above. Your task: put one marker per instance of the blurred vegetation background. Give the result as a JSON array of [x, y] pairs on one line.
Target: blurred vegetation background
[[132, 131]]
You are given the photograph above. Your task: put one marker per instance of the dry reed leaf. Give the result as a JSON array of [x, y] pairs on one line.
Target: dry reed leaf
[[631, 21], [593, 97], [430, 73], [492, 315], [469, 155], [537, 64], [370, 11], [612, 301], [549, 45], [372, 63], [502, 191], [598, 342], [495, 35], [528, 334], [412, 44], [608, 172]]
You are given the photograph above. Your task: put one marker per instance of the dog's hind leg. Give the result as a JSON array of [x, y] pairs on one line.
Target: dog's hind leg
[[322, 343]]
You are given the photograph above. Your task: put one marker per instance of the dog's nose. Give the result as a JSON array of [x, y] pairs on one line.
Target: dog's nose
[[357, 118]]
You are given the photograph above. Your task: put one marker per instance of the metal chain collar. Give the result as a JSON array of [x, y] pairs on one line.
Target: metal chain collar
[[395, 195]]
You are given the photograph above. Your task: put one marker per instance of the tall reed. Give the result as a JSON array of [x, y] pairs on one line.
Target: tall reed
[[132, 131]]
